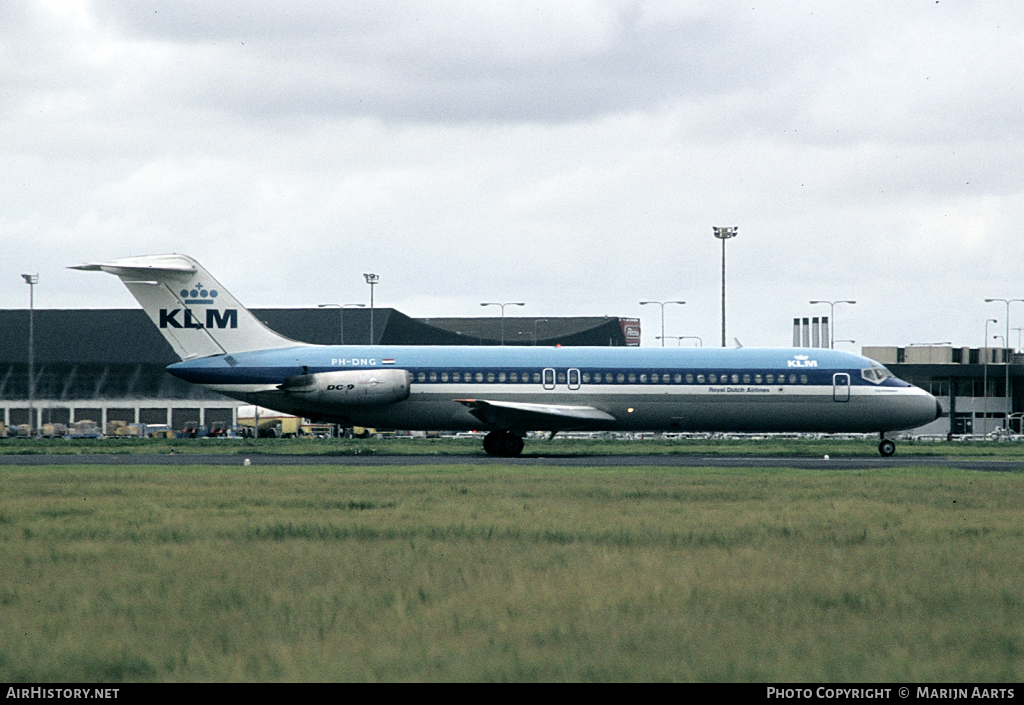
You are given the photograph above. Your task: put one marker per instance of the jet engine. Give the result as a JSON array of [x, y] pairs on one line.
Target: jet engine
[[355, 387]]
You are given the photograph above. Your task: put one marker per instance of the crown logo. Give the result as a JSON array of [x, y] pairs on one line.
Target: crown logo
[[198, 294]]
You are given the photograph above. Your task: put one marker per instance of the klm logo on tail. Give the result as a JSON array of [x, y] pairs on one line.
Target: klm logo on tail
[[228, 318]]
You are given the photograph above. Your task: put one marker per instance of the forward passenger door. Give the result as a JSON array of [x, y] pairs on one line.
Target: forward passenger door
[[840, 387]]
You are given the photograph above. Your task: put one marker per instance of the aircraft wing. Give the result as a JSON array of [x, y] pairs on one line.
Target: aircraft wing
[[547, 417]]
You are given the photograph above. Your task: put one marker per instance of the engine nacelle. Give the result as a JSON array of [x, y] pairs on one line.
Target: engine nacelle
[[355, 387]]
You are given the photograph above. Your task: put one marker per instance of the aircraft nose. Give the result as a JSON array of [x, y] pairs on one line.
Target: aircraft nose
[[924, 408]]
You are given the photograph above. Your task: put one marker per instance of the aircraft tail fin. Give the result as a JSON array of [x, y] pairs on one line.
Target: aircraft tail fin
[[195, 314]]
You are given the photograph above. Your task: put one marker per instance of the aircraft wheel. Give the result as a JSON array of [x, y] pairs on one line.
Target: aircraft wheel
[[886, 448], [511, 445], [503, 444], [491, 443]]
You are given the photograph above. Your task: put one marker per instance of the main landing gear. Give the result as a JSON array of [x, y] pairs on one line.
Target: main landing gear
[[504, 444], [886, 447]]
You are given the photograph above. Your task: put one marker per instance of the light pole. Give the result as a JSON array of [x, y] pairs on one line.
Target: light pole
[[1006, 359], [984, 379], [832, 317], [341, 318], [508, 303], [662, 304], [371, 279], [1006, 386], [724, 234], [31, 280]]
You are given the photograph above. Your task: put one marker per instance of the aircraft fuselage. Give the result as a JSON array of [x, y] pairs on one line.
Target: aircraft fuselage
[[684, 389]]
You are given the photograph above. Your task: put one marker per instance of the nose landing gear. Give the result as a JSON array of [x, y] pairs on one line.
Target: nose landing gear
[[886, 447]]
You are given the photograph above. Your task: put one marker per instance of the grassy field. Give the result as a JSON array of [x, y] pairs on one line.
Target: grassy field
[[778, 446], [499, 573]]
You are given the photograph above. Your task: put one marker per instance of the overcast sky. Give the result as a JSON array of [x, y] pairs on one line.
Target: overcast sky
[[571, 154]]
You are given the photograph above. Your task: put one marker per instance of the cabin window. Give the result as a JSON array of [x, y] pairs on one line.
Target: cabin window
[[502, 376], [479, 376], [620, 378], [700, 379], [792, 379], [513, 377], [586, 377], [643, 379], [713, 378], [679, 378]]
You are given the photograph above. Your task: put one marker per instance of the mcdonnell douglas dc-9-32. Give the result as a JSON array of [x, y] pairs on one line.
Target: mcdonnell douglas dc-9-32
[[510, 390]]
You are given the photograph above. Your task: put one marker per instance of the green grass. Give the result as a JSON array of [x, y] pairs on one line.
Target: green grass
[[505, 573], [785, 447]]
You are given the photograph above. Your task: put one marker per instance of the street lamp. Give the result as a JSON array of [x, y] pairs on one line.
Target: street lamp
[[509, 303], [1006, 359], [371, 279], [341, 318], [724, 234], [31, 280], [984, 382], [662, 304], [832, 317]]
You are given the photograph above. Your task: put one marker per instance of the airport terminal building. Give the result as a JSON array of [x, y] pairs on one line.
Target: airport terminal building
[[107, 365]]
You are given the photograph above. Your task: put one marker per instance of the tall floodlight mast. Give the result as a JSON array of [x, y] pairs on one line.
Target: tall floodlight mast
[[724, 234]]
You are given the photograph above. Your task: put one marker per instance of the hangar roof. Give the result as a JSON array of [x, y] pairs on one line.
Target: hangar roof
[[128, 336]]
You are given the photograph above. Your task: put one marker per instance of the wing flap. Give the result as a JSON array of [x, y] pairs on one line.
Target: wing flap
[[511, 415]]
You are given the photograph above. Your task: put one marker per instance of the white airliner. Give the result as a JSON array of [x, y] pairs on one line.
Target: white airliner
[[512, 390]]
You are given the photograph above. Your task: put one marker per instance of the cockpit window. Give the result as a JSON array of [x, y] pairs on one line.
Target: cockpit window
[[876, 374]]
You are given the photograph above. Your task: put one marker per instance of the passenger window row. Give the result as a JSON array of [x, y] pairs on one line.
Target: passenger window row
[[608, 377]]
